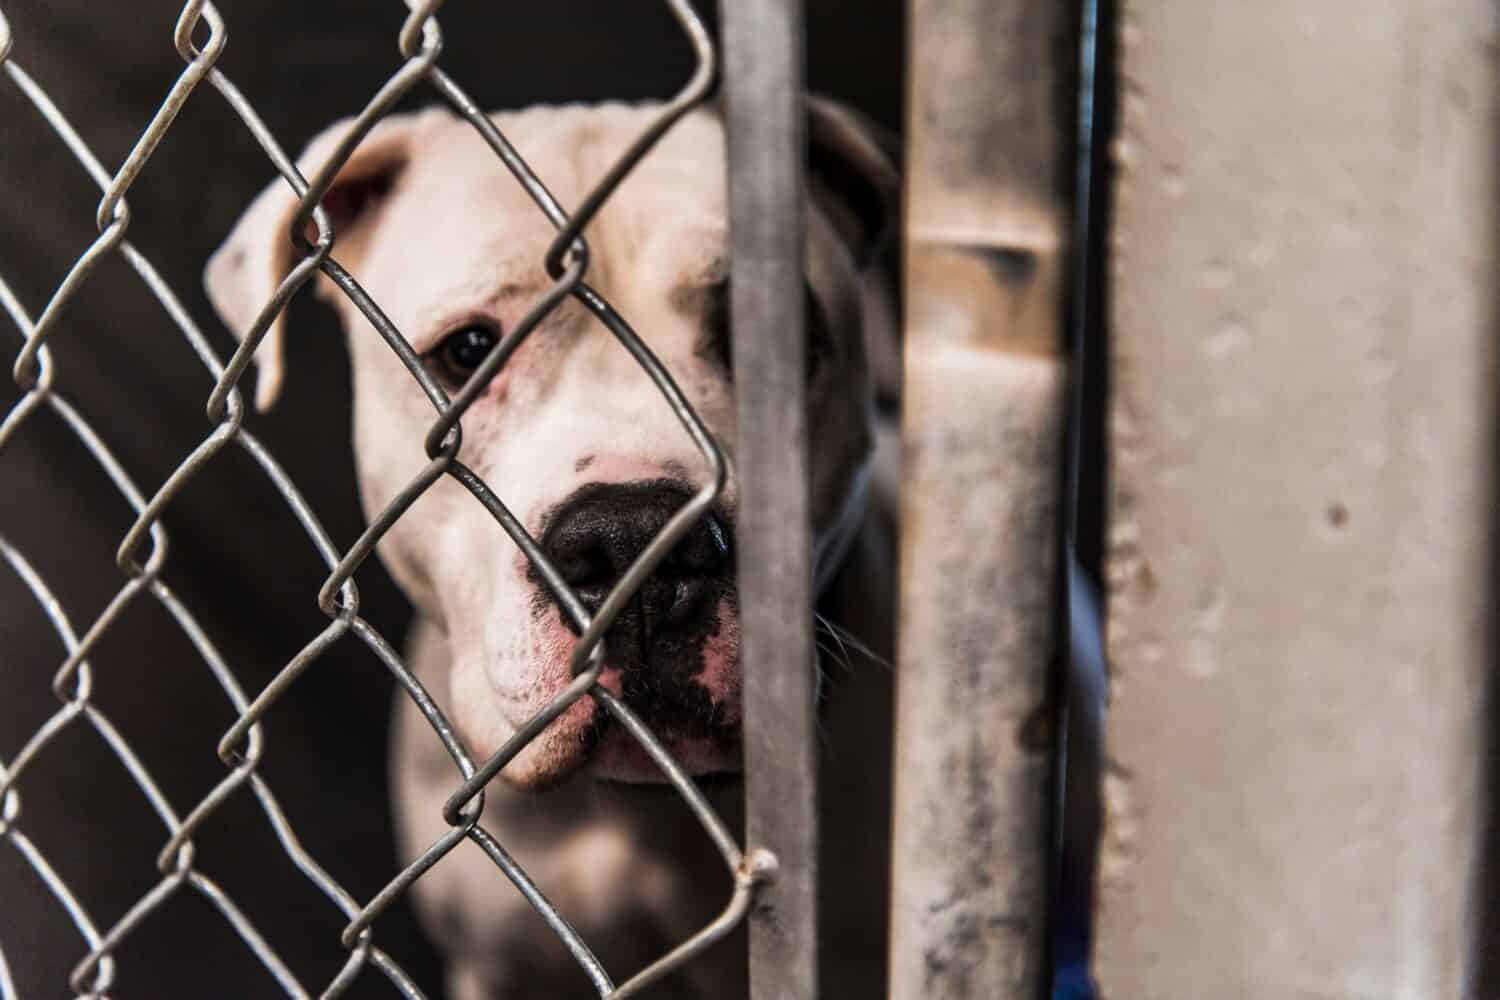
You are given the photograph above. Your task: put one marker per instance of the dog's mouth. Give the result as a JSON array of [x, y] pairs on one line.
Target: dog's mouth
[[698, 745], [672, 652]]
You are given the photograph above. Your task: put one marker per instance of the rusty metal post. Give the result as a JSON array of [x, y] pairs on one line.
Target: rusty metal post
[[1306, 297], [982, 424], [763, 55]]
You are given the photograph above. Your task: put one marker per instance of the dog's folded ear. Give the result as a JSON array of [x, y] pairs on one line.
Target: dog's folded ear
[[852, 175], [245, 271]]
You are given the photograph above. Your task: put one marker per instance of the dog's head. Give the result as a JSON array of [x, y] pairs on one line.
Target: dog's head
[[572, 434]]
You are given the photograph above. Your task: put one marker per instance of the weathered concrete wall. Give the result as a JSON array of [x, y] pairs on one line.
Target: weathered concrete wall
[[1305, 280]]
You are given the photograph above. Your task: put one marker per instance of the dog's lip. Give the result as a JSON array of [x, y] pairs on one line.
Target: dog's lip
[[691, 709], [619, 756], [602, 747]]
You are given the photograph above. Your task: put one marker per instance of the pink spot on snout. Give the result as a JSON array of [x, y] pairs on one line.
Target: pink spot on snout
[[721, 664], [618, 756]]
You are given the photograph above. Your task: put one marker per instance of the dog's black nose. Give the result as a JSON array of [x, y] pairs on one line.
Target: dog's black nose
[[596, 536]]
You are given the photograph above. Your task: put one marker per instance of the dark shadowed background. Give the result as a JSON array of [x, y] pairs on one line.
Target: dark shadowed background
[[237, 557]]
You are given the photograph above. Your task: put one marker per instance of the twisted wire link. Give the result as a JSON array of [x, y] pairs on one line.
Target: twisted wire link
[[242, 746]]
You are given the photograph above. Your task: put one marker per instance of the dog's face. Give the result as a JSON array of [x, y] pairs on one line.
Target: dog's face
[[572, 435]]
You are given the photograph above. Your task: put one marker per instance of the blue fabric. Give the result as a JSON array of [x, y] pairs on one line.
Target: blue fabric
[[1072, 982]]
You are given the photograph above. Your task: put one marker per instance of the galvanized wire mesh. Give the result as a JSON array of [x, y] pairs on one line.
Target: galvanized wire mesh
[[143, 551]]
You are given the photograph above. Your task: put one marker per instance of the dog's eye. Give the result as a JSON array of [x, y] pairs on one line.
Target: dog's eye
[[464, 350], [716, 321]]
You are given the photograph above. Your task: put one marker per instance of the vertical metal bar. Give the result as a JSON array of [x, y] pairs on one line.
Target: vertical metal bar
[[982, 423], [1303, 455], [763, 88]]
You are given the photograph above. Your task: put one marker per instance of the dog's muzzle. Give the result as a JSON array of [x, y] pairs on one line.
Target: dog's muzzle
[[596, 535]]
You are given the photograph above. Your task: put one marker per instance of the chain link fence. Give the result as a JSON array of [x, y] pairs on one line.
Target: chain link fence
[[199, 36]]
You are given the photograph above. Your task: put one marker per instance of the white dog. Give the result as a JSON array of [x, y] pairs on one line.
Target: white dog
[[578, 442]]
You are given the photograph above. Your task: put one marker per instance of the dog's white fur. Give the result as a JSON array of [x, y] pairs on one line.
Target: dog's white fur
[[441, 235]]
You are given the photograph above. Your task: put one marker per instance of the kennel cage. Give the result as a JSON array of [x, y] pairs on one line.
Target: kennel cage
[[1299, 568]]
